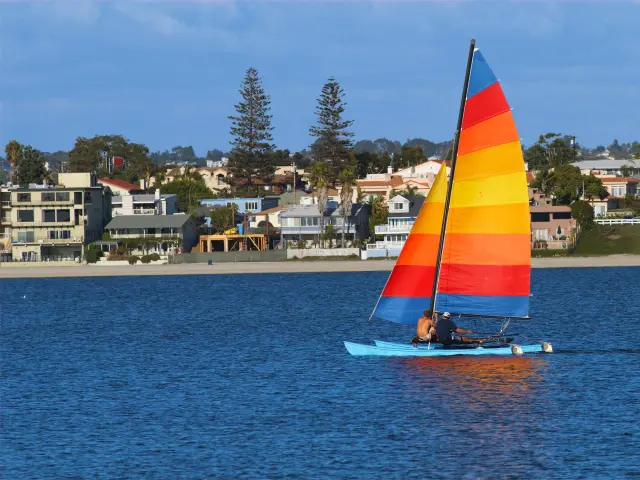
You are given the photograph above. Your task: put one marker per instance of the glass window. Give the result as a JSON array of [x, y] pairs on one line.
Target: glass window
[[87, 197], [562, 215], [77, 198], [25, 237], [251, 206], [540, 217], [62, 196], [63, 215], [398, 206], [48, 215], [65, 234], [52, 235], [25, 215], [24, 197], [47, 196]]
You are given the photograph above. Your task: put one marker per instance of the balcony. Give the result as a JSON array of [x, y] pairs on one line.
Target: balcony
[[115, 236], [385, 246], [384, 229], [136, 211], [43, 240]]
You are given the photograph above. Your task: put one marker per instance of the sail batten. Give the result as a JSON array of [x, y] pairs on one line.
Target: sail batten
[[486, 259]]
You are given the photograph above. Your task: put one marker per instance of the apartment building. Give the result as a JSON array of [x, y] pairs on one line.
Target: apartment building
[[53, 222]]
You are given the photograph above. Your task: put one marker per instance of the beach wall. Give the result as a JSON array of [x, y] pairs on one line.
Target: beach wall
[[321, 252], [226, 257]]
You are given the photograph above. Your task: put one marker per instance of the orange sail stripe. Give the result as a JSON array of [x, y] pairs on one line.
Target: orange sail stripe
[[486, 104], [499, 160], [487, 249], [494, 131], [420, 249], [509, 218]]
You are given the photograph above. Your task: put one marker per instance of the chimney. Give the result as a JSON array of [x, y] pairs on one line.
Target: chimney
[[157, 194]]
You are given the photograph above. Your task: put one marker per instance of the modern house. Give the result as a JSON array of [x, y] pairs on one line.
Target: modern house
[[272, 215], [304, 223], [551, 225], [156, 233], [120, 187], [46, 223], [245, 205], [606, 167], [145, 204], [403, 212], [619, 187]]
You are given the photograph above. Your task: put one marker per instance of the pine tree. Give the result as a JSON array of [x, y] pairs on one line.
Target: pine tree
[[251, 156], [30, 168], [333, 139]]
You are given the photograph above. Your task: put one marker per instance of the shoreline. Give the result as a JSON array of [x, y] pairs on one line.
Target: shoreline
[[318, 266]]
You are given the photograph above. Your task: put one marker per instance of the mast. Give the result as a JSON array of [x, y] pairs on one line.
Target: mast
[[454, 154]]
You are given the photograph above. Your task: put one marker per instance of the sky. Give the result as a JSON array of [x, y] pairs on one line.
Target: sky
[[168, 73]]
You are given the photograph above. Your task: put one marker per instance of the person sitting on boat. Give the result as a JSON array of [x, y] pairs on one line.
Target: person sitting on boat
[[447, 332], [426, 331]]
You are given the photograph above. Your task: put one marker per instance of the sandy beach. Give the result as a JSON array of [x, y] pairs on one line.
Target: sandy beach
[[277, 267]]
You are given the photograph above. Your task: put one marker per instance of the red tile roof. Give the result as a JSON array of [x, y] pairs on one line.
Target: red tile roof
[[619, 180], [530, 178], [120, 184]]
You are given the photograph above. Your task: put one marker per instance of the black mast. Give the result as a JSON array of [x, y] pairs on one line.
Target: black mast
[[454, 154]]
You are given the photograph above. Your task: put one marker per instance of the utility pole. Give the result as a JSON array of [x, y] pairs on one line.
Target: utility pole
[[293, 167], [573, 144]]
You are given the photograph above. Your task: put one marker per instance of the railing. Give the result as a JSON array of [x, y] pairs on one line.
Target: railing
[[114, 236], [385, 246], [44, 240], [618, 221], [6, 203], [136, 211], [382, 229]]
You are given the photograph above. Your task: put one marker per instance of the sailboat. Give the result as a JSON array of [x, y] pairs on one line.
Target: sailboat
[[469, 250]]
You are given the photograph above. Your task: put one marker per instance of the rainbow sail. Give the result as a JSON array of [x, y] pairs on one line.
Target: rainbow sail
[[408, 290], [486, 261]]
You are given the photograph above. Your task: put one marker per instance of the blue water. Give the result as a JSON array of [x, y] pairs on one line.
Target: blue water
[[246, 377]]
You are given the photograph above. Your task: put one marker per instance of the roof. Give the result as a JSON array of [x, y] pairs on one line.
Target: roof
[[148, 221], [270, 210], [605, 164], [394, 181], [549, 208], [619, 180], [415, 204], [119, 183], [530, 178]]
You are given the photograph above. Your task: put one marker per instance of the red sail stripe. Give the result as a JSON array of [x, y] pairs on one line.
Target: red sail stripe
[[484, 105], [409, 281]]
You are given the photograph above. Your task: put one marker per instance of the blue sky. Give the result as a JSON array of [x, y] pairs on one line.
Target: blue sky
[[168, 74]]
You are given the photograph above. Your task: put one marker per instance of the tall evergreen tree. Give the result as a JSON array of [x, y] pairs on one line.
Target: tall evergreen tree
[[333, 139], [30, 168], [251, 129]]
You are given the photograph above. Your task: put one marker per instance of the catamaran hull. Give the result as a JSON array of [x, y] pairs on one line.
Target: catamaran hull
[[402, 350]]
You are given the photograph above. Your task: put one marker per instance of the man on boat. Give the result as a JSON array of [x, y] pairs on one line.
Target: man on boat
[[447, 332], [426, 331]]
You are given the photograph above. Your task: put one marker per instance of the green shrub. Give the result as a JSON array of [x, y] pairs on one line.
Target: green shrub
[[132, 259], [154, 257], [92, 255], [145, 259]]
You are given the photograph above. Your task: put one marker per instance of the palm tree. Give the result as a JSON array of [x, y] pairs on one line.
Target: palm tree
[[13, 150], [347, 179], [319, 177]]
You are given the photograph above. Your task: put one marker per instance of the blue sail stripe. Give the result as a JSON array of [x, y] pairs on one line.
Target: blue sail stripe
[[405, 310], [500, 306], [481, 75]]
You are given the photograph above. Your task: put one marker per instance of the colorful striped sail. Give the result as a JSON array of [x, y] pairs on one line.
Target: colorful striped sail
[[408, 290], [486, 260]]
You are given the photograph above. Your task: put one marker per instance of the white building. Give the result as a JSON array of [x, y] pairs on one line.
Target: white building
[[144, 204]]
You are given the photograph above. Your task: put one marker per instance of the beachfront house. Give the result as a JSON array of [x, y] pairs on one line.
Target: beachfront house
[[120, 187], [551, 225], [144, 204], [154, 233], [302, 225], [53, 222], [403, 211]]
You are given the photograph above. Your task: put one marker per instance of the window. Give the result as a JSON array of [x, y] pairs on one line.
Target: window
[[52, 235], [24, 197], [77, 198], [220, 179], [63, 215], [398, 206], [62, 196], [25, 215], [47, 197], [87, 197], [540, 217], [251, 206], [562, 215], [48, 216], [65, 234], [25, 237]]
